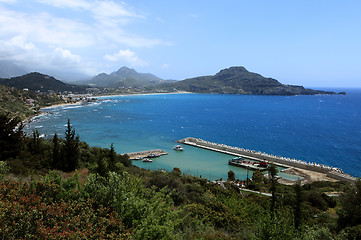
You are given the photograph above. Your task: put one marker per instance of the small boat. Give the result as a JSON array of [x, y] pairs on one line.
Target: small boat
[[152, 155], [138, 158], [249, 164], [147, 160], [178, 148]]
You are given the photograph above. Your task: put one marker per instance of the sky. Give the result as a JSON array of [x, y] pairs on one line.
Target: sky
[[309, 43]]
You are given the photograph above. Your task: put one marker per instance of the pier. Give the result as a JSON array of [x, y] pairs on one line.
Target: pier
[[157, 152], [331, 172]]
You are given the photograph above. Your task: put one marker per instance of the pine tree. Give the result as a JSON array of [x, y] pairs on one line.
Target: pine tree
[[35, 147], [70, 150], [112, 159], [56, 150], [272, 171], [298, 204]]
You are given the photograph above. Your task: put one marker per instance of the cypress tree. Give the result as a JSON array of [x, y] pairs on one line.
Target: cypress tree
[[70, 150], [35, 148], [272, 171], [56, 151], [297, 210], [112, 159]]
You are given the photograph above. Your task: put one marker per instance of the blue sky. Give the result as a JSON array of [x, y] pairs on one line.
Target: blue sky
[[310, 43]]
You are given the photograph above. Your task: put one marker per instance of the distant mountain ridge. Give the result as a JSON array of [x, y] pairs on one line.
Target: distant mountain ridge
[[40, 82], [9, 69], [237, 80], [125, 77]]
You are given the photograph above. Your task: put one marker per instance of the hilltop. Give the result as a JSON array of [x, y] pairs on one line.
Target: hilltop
[[237, 80], [41, 83], [125, 77]]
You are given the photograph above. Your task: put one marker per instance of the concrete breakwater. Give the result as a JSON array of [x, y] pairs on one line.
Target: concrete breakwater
[[157, 152], [332, 172]]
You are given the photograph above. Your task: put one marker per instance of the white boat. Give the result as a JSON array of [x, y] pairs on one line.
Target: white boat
[[147, 160], [178, 148]]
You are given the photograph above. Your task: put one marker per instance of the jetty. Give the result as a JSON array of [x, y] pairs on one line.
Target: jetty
[[144, 154], [331, 172]]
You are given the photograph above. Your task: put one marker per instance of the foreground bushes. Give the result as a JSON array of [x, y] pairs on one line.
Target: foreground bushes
[[47, 210]]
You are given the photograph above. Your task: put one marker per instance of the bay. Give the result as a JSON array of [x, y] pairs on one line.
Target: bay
[[324, 129]]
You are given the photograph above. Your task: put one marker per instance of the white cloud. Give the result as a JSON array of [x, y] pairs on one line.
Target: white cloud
[[8, 1], [126, 56], [165, 65], [67, 55], [43, 36], [74, 4]]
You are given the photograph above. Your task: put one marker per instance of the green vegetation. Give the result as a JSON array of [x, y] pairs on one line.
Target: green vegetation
[[24, 104], [40, 82], [64, 189], [237, 80]]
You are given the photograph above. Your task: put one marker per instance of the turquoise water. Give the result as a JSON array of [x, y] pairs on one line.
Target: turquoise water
[[322, 129]]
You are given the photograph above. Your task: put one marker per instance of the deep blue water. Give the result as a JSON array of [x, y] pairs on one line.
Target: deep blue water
[[323, 129]]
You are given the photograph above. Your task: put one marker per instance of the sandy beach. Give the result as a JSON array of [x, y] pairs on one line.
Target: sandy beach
[[139, 94]]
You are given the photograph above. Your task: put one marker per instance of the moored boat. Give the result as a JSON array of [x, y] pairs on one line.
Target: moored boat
[[152, 155], [251, 165], [178, 148], [147, 160]]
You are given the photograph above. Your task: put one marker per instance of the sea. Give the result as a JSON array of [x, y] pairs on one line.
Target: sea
[[324, 129]]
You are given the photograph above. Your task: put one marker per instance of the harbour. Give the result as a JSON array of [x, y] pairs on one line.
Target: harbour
[[330, 172]]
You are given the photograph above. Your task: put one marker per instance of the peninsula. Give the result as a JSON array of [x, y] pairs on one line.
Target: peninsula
[[237, 80]]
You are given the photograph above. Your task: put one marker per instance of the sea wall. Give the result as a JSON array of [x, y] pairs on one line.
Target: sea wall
[[331, 172], [146, 153]]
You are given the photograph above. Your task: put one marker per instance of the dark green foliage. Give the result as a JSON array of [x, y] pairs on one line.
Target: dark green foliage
[[112, 159], [272, 171], [56, 150], [11, 137], [70, 150], [298, 203], [350, 213], [231, 175]]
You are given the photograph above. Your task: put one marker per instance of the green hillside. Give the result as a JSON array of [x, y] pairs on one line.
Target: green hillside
[[41, 83], [24, 104], [237, 80]]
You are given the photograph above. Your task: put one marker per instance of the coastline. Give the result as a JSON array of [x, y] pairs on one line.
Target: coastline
[[141, 94], [31, 118]]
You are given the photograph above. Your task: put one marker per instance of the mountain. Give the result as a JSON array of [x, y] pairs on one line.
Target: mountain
[[237, 80], [40, 82], [125, 77], [9, 69]]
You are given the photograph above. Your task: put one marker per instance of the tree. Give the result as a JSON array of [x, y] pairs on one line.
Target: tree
[[56, 150], [112, 159], [35, 145], [257, 177], [11, 136], [70, 151], [350, 212], [298, 204], [272, 173], [231, 175]]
